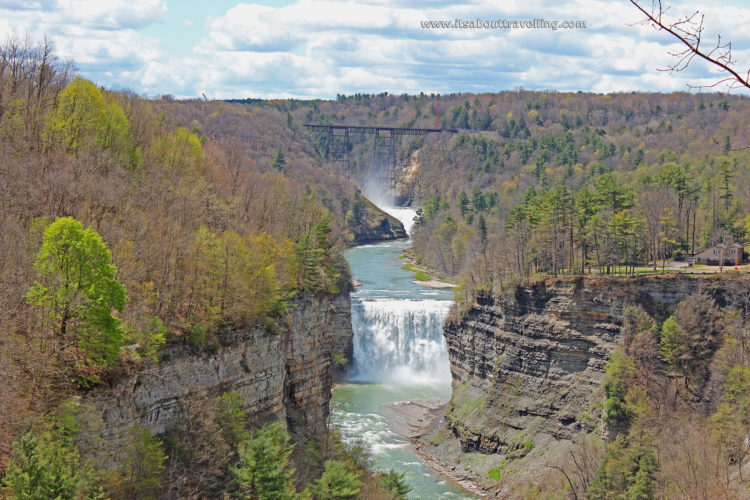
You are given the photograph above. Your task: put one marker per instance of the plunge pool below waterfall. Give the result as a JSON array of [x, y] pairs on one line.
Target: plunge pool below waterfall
[[399, 355]]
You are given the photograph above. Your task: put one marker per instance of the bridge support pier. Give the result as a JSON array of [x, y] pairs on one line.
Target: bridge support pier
[[384, 156]]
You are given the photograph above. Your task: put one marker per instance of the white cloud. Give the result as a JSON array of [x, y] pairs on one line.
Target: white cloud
[[103, 38], [325, 47]]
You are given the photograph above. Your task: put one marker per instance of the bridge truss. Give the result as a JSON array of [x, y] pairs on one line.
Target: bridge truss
[[384, 150]]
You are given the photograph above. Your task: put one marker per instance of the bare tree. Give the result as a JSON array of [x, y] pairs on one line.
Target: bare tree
[[689, 31]]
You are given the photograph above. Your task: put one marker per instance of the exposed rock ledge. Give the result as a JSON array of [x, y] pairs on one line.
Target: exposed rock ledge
[[280, 375], [528, 367], [375, 225]]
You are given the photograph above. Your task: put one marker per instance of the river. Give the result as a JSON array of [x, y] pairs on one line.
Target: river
[[399, 355]]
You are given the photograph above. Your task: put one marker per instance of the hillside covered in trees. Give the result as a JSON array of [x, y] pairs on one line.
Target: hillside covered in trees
[[127, 223], [560, 182]]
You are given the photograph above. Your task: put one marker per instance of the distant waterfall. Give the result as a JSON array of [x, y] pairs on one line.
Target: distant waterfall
[[400, 341]]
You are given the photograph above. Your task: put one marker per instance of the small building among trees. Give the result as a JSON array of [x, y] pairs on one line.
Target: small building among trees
[[731, 255]]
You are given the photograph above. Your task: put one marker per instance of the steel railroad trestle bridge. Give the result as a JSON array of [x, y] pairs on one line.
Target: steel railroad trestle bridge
[[384, 152]]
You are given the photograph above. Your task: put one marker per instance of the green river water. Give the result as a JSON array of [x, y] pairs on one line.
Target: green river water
[[399, 355]]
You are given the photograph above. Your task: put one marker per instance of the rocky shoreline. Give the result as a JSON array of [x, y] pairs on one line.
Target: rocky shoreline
[[415, 421]]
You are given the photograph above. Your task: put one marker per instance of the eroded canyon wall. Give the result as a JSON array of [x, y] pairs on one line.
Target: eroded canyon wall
[[285, 374], [529, 365]]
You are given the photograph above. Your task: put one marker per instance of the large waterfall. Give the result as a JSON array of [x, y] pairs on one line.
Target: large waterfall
[[400, 340], [398, 330], [399, 355]]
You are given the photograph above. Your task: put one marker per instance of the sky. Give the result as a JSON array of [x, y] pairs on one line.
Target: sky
[[322, 48]]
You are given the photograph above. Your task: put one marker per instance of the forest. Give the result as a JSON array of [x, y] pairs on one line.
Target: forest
[[127, 223], [676, 404], [560, 183]]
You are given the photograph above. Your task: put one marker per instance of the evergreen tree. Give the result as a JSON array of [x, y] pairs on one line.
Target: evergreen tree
[[279, 160], [48, 467], [264, 473], [463, 203], [394, 482], [337, 483]]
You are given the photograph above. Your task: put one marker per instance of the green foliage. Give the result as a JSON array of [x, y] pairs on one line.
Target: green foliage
[[433, 205], [147, 333], [627, 472], [672, 338], [337, 483], [231, 418], [180, 152], [48, 466], [84, 120], [421, 276], [358, 208], [140, 468], [618, 372], [339, 359], [76, 292], [394, 482], [279, 160], [238, 278], [691, 336], [264, 471], [12, 123], [731, 422], [495, 474], [318, 260]]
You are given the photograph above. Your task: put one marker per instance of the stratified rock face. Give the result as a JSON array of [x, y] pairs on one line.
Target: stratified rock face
[[343, 336], [530, 365], [281, 375]]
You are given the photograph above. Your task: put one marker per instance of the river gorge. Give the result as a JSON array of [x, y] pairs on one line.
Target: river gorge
[[399, 355]]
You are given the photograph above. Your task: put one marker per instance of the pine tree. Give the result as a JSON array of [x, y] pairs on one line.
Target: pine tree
[[265, 472], [394, 482], [48, 466], [279, 160], [337, 483]]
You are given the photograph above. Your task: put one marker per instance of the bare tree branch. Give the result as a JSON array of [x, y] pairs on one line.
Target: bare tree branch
[[689, 31]]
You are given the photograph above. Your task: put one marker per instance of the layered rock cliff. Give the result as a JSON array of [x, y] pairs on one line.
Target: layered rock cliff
[[281, 375], [528, 366]]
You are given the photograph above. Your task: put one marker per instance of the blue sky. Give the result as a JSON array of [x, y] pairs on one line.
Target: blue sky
[[320, 48]]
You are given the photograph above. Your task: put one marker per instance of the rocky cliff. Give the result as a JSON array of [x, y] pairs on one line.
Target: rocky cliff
[[528, 368], [281, 375], [532, 362], [370, 224]]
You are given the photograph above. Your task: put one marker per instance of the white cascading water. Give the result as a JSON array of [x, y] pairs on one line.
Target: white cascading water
[[400, 341]]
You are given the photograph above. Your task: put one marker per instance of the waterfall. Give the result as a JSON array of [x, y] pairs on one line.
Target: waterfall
[[405, 215], [400, 341]]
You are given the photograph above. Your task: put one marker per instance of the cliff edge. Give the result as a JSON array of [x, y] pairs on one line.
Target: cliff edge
[[285, 374], [528, 368]]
